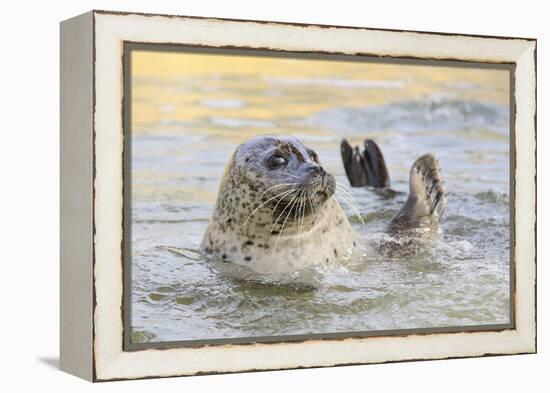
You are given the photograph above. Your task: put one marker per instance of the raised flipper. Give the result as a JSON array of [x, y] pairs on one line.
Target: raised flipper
[[426, 202], [366, 168]]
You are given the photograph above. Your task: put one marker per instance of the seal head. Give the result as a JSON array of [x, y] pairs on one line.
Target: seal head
[[275, 210]]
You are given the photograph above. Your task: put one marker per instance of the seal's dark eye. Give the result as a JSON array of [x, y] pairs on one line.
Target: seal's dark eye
[[276, 161]]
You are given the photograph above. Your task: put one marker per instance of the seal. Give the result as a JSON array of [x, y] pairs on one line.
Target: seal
[[276, 211], [427, 199]]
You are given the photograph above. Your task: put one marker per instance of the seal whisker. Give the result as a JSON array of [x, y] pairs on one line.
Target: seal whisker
[[275, 186], [313, 208], [346, 198], [350, 203], [291, 175], [284, 223], [343, 188], [282, 195], [299, 211], [280, 200], [303, 210], [288, 205], [344, 191], [296, 210]]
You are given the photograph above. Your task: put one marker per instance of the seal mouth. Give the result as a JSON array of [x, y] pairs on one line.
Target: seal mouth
[[307, 198], [299, 196], [321, 194], [323, 186]]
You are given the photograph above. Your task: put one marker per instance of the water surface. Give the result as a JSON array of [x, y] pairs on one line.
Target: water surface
[[191, 111]]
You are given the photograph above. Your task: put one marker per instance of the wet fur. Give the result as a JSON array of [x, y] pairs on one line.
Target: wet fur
[[259, 224], [242, 231], [426, 201], [420, 215]]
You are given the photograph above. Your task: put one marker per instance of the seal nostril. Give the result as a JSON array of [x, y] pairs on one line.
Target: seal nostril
[[317, 170]]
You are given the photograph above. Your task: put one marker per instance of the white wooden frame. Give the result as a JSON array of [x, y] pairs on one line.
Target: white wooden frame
[[92, 195]]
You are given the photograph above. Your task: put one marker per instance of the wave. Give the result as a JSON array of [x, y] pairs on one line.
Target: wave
[[433, 114]]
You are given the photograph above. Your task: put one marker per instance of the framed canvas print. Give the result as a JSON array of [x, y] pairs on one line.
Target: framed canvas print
[[246, 195]]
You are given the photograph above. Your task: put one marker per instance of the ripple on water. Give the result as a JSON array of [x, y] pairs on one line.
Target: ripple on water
[[445, 288], [462, 280]]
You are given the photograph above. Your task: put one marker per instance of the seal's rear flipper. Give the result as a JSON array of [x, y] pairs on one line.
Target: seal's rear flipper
[[366, 168], [426, 202]]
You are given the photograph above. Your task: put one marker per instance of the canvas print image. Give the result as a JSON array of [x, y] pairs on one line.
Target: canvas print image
[[277, 196]]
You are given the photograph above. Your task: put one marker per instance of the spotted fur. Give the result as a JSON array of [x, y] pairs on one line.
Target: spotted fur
[[262, 222]]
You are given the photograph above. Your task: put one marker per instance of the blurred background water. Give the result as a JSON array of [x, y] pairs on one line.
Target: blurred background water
[[189, 113]]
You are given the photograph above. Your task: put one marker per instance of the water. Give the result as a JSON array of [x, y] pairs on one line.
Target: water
[[185, 129]]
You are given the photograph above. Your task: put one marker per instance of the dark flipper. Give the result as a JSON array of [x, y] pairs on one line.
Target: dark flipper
[[366, 168], [426, 202]]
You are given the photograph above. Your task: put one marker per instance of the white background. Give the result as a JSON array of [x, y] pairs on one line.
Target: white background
[[29, 196]]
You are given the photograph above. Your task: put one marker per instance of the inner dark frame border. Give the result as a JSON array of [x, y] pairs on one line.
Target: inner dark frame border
[[126, 307]]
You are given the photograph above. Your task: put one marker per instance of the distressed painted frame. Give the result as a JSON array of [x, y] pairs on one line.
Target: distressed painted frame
[[92, 190]]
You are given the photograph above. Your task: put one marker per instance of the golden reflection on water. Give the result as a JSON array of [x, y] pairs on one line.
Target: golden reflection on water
[[195, 86], [190, 111]]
